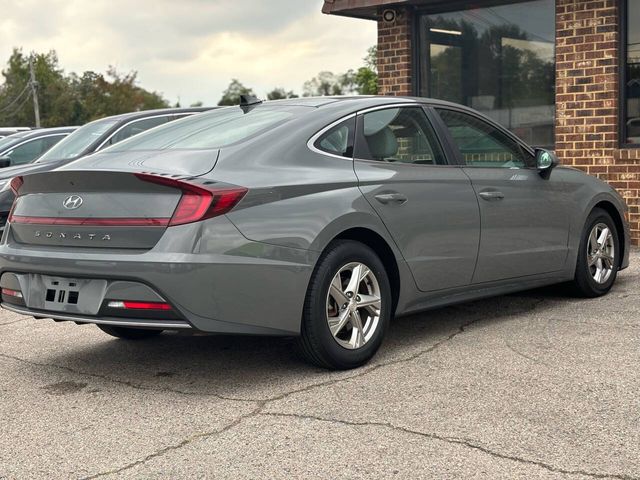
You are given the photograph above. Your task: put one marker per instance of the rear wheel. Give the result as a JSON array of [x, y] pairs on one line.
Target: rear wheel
[[129, 333], [598, 256], [347, 308]]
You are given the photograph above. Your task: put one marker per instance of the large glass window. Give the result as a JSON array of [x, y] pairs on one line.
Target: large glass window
[[632, 120], [499, 60]]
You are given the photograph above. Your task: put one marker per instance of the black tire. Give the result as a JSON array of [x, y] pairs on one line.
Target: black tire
[[316, 343], [584, 284], [127, 333]]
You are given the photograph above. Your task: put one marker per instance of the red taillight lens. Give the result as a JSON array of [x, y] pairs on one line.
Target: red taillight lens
[[126, 305], [16, 183], [198, 202], [11, 293]]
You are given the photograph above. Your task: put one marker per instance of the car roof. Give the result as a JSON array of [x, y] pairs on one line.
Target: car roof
[[153, 113], [42, 132], [359, 101]]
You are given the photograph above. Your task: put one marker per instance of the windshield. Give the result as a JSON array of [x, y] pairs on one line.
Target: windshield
[[6, 141], [76, 143], [214, 129]]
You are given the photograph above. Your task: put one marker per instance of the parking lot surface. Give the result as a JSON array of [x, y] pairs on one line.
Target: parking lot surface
[[532, 385]]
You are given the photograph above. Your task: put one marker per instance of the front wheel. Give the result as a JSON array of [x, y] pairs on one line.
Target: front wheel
[[127, 333], [598, 256], [347, 308]]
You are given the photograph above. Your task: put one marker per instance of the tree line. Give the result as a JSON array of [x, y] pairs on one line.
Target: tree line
[[75, 99]]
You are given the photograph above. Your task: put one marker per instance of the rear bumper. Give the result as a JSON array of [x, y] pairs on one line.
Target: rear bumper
[[119, 322], [221, 283]]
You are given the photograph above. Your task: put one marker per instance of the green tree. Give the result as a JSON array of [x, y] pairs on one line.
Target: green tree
[[231, 96], [366, 78], [54, 95], [68, 99], [280, 94]]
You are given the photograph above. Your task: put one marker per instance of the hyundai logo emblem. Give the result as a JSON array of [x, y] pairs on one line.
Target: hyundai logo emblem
[[72, 202]]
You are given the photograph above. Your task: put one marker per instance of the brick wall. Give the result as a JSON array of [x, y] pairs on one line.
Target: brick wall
[[394, 55], [587, 93], [587, 96]]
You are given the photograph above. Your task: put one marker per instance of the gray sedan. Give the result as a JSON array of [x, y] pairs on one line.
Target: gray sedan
[[318, 218]]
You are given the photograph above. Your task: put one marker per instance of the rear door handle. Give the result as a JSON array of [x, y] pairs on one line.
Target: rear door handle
[[387, 198], [492, 195]]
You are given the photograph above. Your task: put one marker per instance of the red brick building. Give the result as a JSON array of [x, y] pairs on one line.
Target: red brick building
[[560, 73]]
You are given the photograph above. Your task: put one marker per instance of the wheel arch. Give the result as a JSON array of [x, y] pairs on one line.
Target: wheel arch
[[384, 251]]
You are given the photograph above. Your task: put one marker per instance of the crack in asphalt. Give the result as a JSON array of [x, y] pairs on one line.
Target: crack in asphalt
[[177, 446], [453, 440], [11, 323], [262, 404], [137, 386]]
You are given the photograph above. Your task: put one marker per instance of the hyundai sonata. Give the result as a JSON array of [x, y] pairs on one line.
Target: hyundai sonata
[[317, 218]]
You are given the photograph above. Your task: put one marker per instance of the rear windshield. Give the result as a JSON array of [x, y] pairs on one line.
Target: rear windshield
[[214, 129], [76, 143]]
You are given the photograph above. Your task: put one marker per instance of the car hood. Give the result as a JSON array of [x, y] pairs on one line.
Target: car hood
[[191, 163]]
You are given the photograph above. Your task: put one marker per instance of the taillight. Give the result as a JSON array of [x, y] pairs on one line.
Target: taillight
[[16, 183], [127, 305], [198, 202]]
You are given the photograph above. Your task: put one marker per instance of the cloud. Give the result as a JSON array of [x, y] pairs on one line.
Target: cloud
[[191, 49]]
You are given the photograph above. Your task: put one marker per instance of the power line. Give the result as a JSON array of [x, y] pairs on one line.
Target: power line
[[16, 100], [19, 107]]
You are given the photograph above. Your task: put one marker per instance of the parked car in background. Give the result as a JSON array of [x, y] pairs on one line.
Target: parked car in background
[[24, 147], [6, 131], [90, 138], [318, 218]]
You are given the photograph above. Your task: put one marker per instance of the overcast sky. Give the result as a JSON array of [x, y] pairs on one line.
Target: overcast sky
[[190, 49]]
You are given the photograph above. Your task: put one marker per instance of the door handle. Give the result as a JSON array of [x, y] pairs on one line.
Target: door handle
[[492, 195], [387, 198]]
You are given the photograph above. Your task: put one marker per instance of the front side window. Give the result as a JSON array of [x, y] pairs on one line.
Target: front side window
[[497, 59], [483, 145], [339, 139], [631, 124], [402, 135]]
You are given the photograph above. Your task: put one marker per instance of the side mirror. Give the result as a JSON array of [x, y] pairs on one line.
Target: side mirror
[[5, 162], [545, 162]]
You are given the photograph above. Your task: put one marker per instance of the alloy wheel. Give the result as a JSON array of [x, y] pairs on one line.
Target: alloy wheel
[[601, 253], [354, 304]]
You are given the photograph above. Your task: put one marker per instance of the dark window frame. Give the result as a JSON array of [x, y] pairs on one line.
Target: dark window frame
[[418, 41], [623, 9]]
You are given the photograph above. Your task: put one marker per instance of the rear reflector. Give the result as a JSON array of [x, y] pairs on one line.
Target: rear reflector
[[198, 202], [126, 305], [11, 293]]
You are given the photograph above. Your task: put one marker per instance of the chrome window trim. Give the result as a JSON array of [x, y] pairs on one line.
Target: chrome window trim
[[101, 146], [311, 142], [29, 140]]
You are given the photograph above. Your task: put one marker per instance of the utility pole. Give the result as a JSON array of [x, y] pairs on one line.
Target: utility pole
[[34, 92]]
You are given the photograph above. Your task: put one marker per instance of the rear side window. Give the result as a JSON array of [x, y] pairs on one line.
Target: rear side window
[[136, 127], [483, 145], [338, 140], [214, 129], [402, 135]]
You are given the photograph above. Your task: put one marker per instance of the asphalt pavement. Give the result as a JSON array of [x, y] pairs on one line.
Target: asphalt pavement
[[525, 386]]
